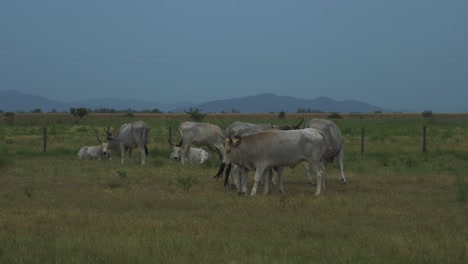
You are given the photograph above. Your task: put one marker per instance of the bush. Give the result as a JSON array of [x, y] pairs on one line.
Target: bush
[[427, 114], [78, 113], [282, 115], [335, 115], [187, 183], [196, 114]]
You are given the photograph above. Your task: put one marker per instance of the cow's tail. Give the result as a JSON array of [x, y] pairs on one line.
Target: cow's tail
[[146, 135]]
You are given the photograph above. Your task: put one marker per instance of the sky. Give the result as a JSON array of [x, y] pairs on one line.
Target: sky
[[395, 54]]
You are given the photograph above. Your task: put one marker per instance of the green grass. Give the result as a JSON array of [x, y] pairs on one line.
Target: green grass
[[399, 206]]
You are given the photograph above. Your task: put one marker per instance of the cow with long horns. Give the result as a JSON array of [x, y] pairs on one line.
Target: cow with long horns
[[128, 137]]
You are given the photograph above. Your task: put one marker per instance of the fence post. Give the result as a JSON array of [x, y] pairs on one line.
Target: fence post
[[424, 146], [45, 139], [362, 141]]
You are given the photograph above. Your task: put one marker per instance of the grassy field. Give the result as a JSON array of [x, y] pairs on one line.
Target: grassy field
[[400, 205]]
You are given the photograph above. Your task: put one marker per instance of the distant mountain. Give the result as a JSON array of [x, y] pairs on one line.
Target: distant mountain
[[15, 101], [265, 103]]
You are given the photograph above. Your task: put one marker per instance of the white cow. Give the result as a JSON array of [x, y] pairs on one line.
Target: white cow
[[196, 155], [93, 152], [129, 136], [264, 150]]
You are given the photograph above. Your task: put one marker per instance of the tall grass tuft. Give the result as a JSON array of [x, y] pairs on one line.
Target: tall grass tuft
[[186, 183], [461, 190], [5, 161]]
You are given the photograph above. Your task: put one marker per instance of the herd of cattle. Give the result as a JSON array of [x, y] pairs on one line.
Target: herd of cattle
[[243, 147]]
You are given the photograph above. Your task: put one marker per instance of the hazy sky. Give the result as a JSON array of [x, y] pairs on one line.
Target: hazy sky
[[396, 54]]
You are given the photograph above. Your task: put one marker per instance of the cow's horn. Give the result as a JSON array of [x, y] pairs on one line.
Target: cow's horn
[[170, 137], [298, 125], [97, 136]]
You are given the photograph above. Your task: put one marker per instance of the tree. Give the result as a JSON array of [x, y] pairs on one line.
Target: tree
[[282, 115], [427, 114], [78, 113], [157, 111], [335, 115], [196, 114]]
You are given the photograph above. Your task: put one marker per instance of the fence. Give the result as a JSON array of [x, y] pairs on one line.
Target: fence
[[424, 139]]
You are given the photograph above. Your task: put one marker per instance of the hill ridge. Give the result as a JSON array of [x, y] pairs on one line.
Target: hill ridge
[[14, 101]]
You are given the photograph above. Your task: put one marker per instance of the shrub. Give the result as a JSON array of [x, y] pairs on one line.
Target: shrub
[[282, 115], [78, 113], [187, 183], [196, 114], [334, 115], [427, 114]]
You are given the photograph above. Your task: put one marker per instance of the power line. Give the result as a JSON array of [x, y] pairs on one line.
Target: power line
[[175, 61]]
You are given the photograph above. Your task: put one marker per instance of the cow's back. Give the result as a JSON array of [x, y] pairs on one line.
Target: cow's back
[[200, 134], [134, 134], [283, 148], [331, 133]]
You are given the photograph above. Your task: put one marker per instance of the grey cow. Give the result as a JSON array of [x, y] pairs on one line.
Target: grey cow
[[266, 149], [199, 134], [129, 136], [239, 129], [334, 143]]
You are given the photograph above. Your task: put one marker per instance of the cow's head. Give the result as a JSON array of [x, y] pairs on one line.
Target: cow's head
[[231, 144], [112, 139], [104, 146], [176, 154]]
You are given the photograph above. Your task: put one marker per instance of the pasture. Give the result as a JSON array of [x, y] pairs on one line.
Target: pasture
[[400, 205]]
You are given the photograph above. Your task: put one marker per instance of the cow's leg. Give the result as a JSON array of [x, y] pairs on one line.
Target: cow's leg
[[130, 155], [220, 150], [268, 177], [316, 166], [243, 177], [185, 153], [122, 153], [143, 156], [259, 172], [236, 171], [280, 171], [307, 171], [340, 164], [220, 171]]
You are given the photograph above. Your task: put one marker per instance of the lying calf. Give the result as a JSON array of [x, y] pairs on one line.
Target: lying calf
[[93, 152], [196, 155]]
